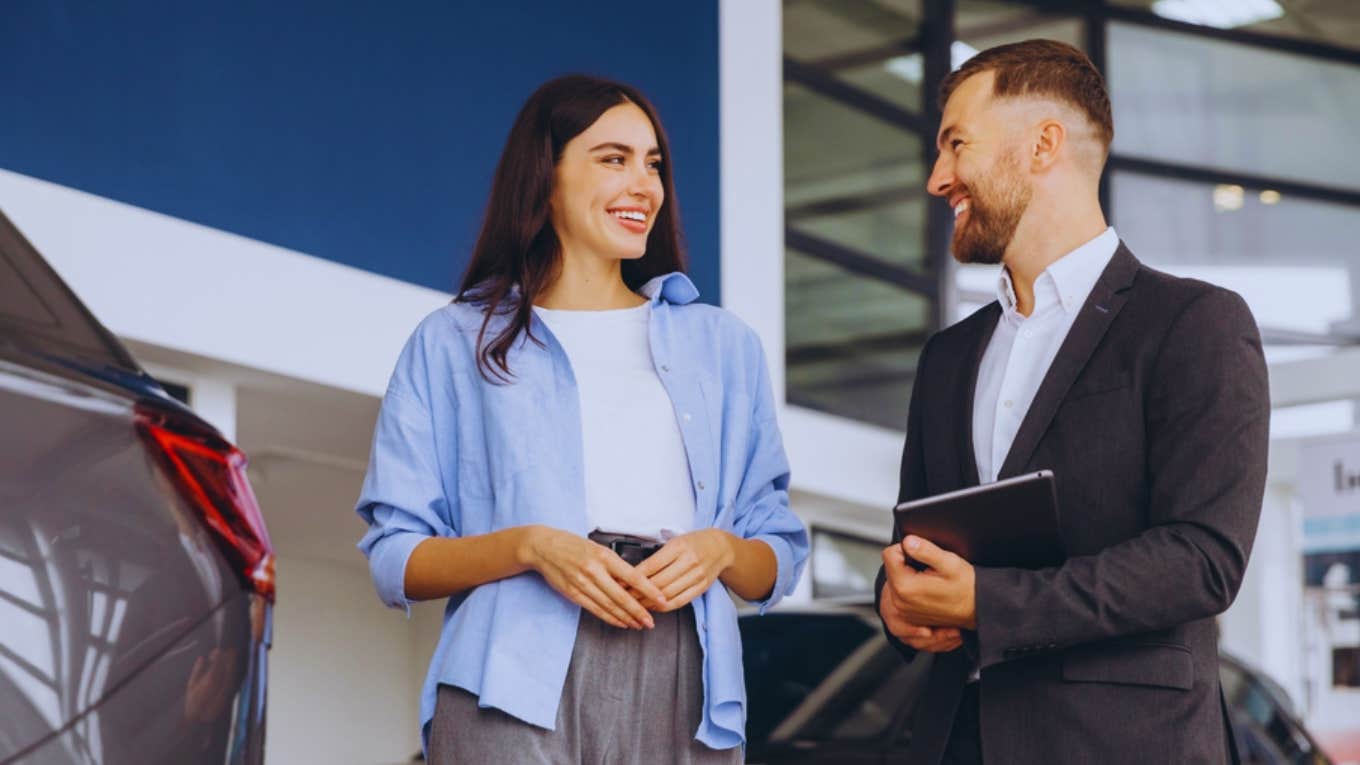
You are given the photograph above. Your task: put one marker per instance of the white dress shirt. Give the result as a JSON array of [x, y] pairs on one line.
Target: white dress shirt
[[1023, 347], [636, 472]]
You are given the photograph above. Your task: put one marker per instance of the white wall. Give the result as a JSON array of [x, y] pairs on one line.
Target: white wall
[[341, 682], [215, 294]]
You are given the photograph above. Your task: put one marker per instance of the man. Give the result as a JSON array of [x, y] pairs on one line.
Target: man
[[1144, 393]]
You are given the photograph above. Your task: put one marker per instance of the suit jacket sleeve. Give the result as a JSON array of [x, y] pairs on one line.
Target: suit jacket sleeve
[[1207, 414], [913, 482]]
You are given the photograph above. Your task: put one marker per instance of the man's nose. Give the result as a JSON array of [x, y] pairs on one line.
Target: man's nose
[[941, 178]]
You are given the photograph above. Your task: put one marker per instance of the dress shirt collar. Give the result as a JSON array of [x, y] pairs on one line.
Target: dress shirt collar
[[1067, 281]]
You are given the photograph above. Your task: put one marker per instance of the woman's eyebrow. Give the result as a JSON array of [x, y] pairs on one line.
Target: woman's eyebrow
[[624, 148]]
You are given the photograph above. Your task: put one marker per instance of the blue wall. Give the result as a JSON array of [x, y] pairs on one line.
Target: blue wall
[[361, 132]]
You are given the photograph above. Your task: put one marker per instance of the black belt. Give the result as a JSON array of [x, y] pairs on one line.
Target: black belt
[[632, 549]]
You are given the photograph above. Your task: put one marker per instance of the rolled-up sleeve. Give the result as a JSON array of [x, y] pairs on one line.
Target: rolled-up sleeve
[[403, 499], [761, 510]]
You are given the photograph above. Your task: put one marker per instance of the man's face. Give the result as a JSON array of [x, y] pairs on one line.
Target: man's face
[[979, 170]]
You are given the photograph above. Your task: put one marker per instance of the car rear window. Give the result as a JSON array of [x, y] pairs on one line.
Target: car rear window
[[38, 311]]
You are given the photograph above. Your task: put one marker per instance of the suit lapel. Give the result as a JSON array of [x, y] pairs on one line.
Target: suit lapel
[[973, 362], [1107, 298]]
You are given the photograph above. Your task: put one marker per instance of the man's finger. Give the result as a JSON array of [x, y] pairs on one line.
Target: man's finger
[[898, 573], [927, 552]]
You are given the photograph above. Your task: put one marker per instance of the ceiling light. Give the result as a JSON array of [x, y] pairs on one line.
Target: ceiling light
[[1228, 197], [1222, 14], [1270, 197]]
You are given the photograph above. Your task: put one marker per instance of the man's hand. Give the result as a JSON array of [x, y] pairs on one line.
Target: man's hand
[[940, 596], [929, 639]]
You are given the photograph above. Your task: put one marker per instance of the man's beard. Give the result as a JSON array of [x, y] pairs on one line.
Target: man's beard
[[995, 208]]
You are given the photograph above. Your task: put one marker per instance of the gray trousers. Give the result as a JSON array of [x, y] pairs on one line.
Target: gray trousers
[[631, 698]]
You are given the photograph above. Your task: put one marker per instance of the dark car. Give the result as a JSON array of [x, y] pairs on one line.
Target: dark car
[[824, 686], [136, 574]]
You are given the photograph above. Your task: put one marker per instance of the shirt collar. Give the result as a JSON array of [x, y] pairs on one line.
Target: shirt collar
[[1068, 280], [674, 287]]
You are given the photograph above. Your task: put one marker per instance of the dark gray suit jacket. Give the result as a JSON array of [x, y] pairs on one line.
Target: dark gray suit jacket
[[1154, 416]]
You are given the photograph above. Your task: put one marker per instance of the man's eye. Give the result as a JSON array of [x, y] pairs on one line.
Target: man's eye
[[955, 144]]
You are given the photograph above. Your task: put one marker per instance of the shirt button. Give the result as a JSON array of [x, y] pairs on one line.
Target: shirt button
[[686, 417], [665, 368], [1009, 403], [700, 484]]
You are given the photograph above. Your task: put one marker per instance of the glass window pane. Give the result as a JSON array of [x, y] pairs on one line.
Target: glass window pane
[[895, 79], [844, 565], [868, 45], [983, 24], [1197, 101], [832, 151], [855, 208], [893, 231], [1294, 260], [1333, 22], [852, 342], [826, 30]]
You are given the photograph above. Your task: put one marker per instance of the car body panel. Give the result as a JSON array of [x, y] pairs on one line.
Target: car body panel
[[125, 635]]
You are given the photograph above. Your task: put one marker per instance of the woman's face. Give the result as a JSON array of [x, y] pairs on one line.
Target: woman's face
[[607, 188]]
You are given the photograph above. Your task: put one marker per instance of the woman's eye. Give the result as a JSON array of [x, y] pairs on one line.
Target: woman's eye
[[613, 159], [655, 165]]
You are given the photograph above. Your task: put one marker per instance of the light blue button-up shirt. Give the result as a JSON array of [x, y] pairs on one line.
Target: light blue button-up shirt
[[455, 455]]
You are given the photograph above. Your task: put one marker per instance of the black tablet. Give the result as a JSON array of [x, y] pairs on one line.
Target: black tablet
[[1010, 524]]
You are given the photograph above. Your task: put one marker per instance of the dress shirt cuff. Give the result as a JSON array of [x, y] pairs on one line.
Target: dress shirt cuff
[[784, 570], [387, 562]]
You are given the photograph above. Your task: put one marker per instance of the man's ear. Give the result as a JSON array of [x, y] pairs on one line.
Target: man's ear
[[1050, 137]]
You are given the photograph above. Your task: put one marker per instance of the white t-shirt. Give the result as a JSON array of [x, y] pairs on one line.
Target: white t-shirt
[[636, 472]]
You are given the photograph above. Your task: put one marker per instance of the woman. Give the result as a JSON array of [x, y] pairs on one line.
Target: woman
[[573, 387]]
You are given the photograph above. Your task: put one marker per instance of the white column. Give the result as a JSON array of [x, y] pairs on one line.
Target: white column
[[751, 102]]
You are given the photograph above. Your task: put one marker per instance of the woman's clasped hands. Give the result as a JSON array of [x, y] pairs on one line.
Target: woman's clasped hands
[[597, 579]]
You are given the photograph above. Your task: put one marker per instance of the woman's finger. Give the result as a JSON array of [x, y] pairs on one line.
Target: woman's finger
[[619, 570], [686, 580], [657, 560], [580, 599], [665, 576], [602, 602], [621, 599], [684, 598]]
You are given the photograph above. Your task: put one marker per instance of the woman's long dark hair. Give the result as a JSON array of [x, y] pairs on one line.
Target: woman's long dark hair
[[517, 246]]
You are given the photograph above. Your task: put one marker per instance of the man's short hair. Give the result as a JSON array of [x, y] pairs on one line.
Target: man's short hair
[[1046, 68]]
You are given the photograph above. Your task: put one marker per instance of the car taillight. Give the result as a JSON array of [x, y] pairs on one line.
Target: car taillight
[[211, 474]]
